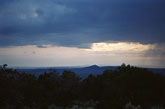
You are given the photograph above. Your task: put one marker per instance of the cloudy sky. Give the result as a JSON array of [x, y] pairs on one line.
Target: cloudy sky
[[82, 32]]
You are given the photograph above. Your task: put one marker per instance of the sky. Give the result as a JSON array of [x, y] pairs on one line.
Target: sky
[[37, 33]]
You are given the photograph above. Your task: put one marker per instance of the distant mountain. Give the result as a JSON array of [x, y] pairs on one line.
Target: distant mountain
[[81, 71], [158, 70]]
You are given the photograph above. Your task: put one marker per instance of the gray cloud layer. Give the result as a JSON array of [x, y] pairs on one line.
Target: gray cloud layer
[[80, 22]]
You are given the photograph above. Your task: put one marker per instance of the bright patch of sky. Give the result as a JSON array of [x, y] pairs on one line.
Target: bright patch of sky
[[103, 53]]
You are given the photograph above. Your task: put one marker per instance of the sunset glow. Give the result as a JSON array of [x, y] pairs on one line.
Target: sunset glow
[[98, 53]]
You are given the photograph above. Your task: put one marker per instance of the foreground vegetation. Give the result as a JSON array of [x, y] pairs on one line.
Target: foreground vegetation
[[111, 90]]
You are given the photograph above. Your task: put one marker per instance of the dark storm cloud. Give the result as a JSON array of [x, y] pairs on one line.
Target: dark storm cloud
[[80, 22]]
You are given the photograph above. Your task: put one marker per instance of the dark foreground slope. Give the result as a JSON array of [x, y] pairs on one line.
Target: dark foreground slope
[[112, 89]]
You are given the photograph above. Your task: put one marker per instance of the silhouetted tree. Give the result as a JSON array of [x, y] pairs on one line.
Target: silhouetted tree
[[113, 89]]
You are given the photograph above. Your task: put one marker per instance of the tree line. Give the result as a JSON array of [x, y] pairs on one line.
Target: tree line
[[112, 90]]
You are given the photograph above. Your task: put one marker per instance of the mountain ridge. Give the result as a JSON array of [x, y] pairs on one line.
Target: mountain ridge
[[81, 71]]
